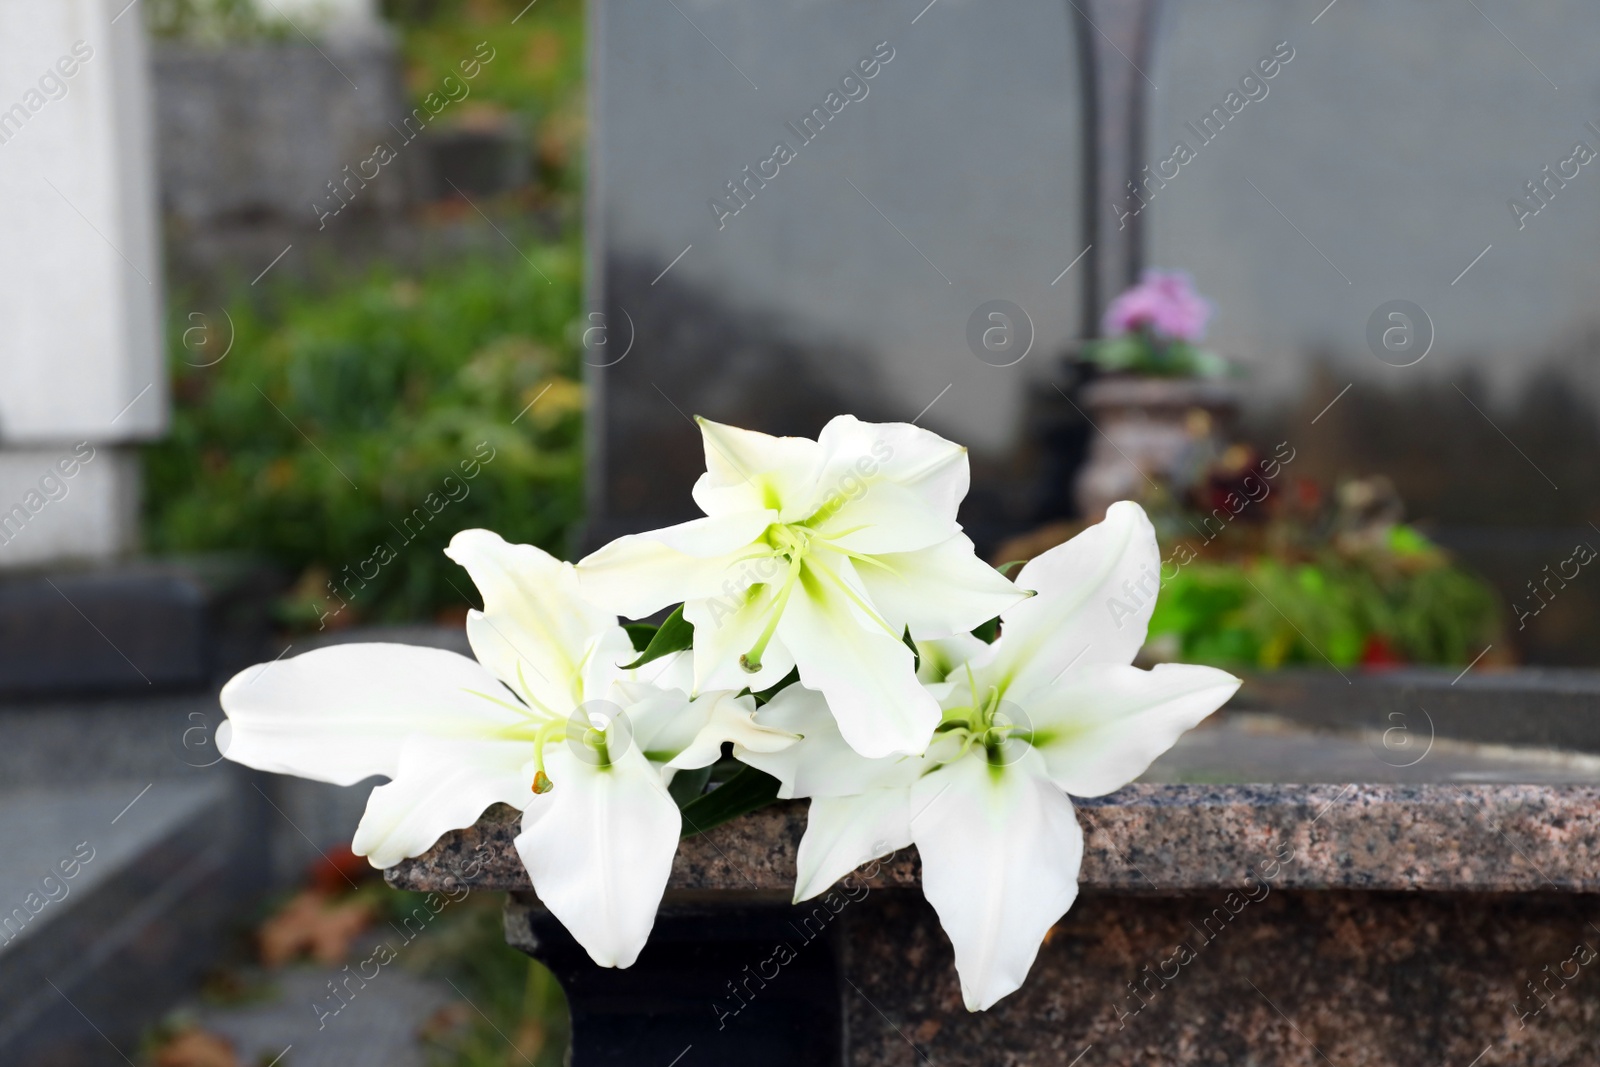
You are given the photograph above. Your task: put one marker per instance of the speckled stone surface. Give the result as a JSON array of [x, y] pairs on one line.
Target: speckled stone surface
[[1177, 839], [1260, 925], [1296, 979]]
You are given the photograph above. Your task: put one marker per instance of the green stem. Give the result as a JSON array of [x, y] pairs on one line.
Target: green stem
[[751, 660]]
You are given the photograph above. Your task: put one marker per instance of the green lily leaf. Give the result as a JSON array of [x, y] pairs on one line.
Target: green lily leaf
[[641, 634], [767, 694], [687, 786], [675, 635], [745, 792]]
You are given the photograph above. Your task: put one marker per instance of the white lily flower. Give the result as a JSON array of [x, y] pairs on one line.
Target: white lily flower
[[817, 554], [1052, 707], [544, 720]]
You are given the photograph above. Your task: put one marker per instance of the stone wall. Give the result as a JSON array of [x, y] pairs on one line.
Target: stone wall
[[270, 132]]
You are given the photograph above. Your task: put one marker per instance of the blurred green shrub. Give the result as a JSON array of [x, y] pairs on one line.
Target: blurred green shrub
[[1398, 601], [214, 21], [348, 434], [539, 63]]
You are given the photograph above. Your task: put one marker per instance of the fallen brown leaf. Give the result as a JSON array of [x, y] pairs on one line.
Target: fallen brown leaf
[[530, 1039], [312, 924], [197, 1048], [451, 1017], [339, 869]]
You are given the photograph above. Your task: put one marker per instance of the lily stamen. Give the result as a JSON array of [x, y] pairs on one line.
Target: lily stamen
[[543, 735]]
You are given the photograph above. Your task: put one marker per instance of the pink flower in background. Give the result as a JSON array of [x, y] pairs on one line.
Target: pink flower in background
[[1164, 302]]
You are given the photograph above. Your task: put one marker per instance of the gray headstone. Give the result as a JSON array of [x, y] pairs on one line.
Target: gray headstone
[[1401, 299], [860, 252], [1392, 142]]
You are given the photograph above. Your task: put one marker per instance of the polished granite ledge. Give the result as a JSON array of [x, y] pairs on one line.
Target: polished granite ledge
[[1428, 881], [1174, 839]]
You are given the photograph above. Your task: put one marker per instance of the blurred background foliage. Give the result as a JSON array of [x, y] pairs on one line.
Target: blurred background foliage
[[536, 76], [212, 21], [322, 440], [535, 79], [1309, 577], [378, 393], [1261, 574], [1408, 606]]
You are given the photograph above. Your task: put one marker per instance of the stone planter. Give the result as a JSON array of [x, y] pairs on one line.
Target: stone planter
[[1283, 924], [1146, 429]]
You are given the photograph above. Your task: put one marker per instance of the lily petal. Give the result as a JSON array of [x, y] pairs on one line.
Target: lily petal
[[920, 460], [720, 717], [748, 470], [1095, 597], [937, 591], [602, 664], [823, 764], [943, 656], [641, 573], [599, 849], [536, 630], [728, 627], [866, 673], [842, 833], [872, 515], [1102, 726], [675, 670], [441, 784], [1000, 852], [654, 719], [343, 713]]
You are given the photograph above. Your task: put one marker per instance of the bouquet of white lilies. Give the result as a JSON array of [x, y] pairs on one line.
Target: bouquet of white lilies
[[834, 627]]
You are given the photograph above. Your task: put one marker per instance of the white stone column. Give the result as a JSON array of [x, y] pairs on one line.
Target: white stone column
[[82, 374]]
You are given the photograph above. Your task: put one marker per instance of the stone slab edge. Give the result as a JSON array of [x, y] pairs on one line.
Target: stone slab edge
[[1172, 839], [1530, 707]]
